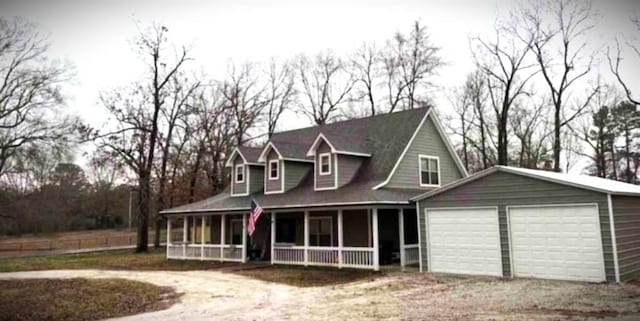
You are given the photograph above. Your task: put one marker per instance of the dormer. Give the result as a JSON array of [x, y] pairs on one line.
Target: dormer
[[282, 170], [246, 171], [334, 167]]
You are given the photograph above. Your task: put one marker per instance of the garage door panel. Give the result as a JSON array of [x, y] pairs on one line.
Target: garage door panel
[[464, 241], [557, 242]]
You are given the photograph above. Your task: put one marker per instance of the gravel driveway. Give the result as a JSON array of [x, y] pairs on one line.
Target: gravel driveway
[[212, 295]]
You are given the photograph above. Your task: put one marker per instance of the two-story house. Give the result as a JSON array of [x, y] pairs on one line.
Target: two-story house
[[333, 195]]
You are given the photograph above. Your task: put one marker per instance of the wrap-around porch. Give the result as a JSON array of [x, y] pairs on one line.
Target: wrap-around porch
[[343, 237]]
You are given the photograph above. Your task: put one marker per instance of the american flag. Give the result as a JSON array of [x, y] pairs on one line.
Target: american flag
[[255, 213]]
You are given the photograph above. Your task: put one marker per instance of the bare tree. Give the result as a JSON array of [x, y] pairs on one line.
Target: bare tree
[[614, 63], [30, 99], [532, 129], [180, 90], [594, 129], [244, 96], [464, 117], [325, 85], [137, 118], [365, 63], [409, 60], [560, 50], [280, 93], [504, 62]]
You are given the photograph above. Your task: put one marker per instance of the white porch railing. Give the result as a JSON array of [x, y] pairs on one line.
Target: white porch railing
[[215, 252], [288, 255], [356, 257], [352, 257], [411, 254]]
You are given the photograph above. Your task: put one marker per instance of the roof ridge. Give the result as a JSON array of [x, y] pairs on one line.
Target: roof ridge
[[342, 122]]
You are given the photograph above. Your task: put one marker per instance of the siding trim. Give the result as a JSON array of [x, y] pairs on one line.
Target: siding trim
[[234, 154], [265, 152], [595, 205], [312, 150], [614, 242]]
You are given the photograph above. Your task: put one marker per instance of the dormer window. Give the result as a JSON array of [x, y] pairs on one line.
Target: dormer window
[[274, 169], [429, 170], [325, 164], [239, 173]]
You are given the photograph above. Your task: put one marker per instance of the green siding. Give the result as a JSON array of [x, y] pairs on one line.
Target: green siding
[[256, 178], [348, 167], [504, 189], [426, 142], [294, 173], [626, 217]]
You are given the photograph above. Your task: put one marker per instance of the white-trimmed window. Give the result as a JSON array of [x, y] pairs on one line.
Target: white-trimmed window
[[239, 175], [321, 231], [429, 170], [325, 164], [274, 169]]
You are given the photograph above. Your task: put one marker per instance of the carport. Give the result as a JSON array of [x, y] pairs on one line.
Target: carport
[[514, 222]]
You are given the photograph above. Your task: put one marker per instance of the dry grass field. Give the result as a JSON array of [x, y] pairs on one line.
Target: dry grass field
[[27, 245]]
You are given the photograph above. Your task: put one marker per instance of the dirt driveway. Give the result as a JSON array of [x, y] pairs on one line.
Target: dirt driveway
[[214, 295]]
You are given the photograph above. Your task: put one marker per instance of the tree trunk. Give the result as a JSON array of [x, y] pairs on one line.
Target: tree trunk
[[556, 141], [142, 243]]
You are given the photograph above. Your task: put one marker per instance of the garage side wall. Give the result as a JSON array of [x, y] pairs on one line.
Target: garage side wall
[[626, 217], [504, 189]]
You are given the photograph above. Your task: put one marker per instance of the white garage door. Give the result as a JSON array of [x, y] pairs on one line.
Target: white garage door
[[465, 241], [557, 242]]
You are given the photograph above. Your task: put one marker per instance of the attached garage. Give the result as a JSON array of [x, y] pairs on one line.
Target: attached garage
[[515, 222]]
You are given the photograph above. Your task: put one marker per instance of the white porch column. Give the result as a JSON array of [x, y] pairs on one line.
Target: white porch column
[[340, 239], [222, 236], [244, 238], [202, 238], [369, 228], [376, 248], [185, 227], [273, 234], [401, 231], [306, 238], [168, 235]]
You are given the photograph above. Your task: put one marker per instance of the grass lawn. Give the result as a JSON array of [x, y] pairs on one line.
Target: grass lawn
[[79, 299], [108, 260], [307, 277]]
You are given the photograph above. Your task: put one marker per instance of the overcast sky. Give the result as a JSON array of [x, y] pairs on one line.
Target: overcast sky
[[95, 36]]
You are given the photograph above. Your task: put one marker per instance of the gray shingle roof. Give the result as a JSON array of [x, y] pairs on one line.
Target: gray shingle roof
[[384, 137], [250, 153]]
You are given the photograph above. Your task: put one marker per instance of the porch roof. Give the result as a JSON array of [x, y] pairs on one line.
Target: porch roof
[[300, 198]]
